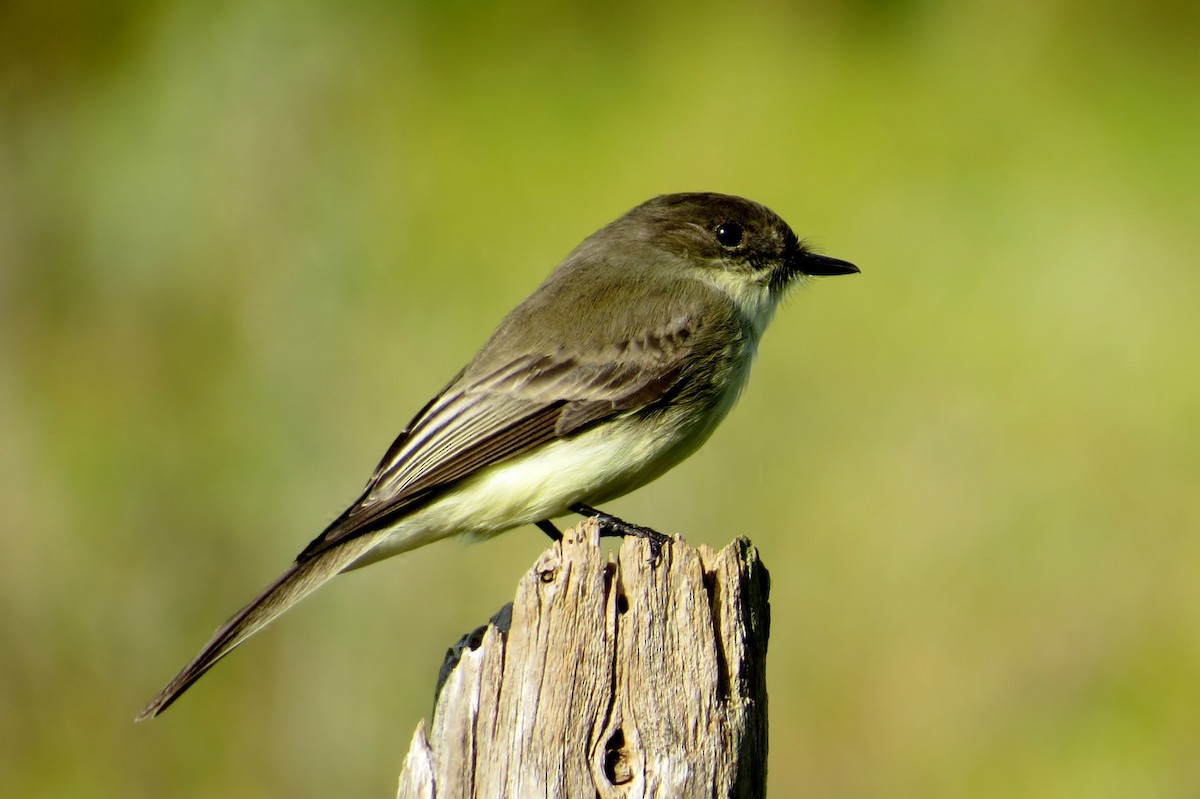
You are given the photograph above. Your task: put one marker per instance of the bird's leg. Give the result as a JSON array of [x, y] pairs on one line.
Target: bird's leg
[[547, 527], [611, 526]]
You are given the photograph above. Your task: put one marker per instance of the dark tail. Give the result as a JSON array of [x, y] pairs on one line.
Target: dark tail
[[293, 585]]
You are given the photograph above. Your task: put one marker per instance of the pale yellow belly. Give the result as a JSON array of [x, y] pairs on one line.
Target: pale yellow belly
[[598, 465]]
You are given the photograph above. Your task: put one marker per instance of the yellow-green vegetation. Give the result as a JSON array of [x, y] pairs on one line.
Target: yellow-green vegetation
[[240, 243]]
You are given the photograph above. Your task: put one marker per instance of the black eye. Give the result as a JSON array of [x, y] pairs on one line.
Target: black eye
[[729, 234]]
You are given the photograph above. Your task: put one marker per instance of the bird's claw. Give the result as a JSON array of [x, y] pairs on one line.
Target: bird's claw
[[614, 527]]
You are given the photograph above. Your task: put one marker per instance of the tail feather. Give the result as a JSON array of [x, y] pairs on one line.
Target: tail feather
[[300, 580]]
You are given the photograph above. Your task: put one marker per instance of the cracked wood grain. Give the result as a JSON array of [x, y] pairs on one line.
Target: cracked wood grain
[[616, 679]]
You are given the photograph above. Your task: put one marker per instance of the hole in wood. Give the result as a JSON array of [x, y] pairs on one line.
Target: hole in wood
[[617, 767], [611, 583], [710, 588]]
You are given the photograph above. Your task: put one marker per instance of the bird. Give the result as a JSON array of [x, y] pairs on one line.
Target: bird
[[616, 368]]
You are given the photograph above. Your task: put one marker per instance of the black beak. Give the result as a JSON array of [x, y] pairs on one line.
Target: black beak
[[813, 264]]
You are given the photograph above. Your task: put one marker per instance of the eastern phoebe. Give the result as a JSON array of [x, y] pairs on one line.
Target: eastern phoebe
[[614, 370]]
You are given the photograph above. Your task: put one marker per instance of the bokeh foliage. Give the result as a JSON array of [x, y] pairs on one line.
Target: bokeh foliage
[[240, 243]]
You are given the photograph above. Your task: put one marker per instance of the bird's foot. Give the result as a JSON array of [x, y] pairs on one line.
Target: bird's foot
[[547, 527], [612, 527]]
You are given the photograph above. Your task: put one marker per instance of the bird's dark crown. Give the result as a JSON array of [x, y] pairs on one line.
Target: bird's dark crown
[[720, 228]]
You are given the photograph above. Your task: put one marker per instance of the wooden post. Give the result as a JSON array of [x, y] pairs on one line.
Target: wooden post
[[639, 678]]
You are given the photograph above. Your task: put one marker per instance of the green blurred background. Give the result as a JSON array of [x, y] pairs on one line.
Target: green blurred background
[[240, 243]]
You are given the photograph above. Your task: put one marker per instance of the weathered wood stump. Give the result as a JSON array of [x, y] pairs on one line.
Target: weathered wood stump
[[644, 677]]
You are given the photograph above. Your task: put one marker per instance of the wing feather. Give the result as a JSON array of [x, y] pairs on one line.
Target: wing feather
[[531, 399]]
